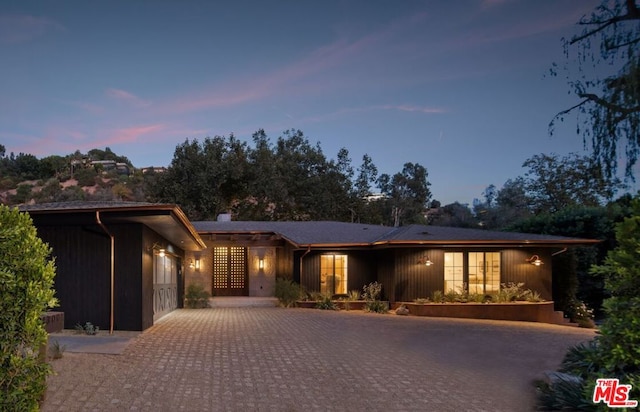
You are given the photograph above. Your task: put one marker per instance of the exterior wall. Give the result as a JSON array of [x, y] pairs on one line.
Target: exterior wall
[[261, 282], [83, 271], [413, 280], [82, 281], [361, 269]]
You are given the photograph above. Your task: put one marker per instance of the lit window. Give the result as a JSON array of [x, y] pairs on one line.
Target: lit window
[[333, 274]]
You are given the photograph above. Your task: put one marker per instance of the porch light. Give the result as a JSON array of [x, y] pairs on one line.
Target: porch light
[[261, 263], [161, 252], [425, 261], [197, 264], [191, 265], [535, 260]]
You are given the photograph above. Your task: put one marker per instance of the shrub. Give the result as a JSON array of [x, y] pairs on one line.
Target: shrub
[[437, 296], [88, 328], [376, 306], [26, 281], [287, 292], [372, 291], [371, 295], [326, 303], [196, 296]]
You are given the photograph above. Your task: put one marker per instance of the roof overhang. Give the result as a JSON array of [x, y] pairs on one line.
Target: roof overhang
[[167, 220]]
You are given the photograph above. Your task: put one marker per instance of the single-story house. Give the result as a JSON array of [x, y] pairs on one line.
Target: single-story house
[[127, 264]]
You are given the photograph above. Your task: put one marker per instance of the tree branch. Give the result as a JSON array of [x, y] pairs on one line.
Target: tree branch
[[604, 103], [633, 13]]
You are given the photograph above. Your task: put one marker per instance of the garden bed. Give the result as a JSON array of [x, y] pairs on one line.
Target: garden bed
[[340, 304], [518, 311]]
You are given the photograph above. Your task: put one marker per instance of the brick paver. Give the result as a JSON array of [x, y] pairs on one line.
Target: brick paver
[[273, 359]]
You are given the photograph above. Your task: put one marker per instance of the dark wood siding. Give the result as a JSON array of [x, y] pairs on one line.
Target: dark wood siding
[[285, 257], [516, 269], [82, 282], [415, 280], [385, 270], [361, 269], [128, 276]]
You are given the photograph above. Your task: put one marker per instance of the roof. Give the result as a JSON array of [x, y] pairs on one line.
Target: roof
[[168, 220], [327, 233]]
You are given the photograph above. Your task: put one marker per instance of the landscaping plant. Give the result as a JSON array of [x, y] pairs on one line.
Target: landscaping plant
[[196, 297], [287, 292], [615, 352], [26, 291]]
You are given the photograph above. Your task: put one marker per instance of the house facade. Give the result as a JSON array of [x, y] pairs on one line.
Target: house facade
[[244, 258], [123, 265]]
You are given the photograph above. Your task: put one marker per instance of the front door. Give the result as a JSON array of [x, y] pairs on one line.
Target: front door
[[230, 271]]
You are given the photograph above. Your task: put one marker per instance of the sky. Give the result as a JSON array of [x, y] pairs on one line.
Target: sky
[[460, 87]]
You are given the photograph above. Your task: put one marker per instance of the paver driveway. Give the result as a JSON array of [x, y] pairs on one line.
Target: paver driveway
[[273, 359]]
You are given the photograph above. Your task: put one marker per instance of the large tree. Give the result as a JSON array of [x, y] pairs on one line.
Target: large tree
[[604, 75]]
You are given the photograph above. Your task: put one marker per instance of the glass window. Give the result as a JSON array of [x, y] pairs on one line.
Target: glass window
[[333, 274], [484, 272], [453, 272]]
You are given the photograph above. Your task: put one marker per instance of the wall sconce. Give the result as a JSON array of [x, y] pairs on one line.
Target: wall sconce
[[197, 264], [161, 252], [425, 261], [261, 263], [191, 265], [535, 260]]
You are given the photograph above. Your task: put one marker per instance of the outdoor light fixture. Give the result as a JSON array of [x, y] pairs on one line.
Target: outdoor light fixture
[[535, 260], [425, 261], [261, 263], [191, 265], [161, 252], [197, 264]]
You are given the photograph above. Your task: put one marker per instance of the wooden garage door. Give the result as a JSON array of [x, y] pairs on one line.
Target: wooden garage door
[[230, 271]]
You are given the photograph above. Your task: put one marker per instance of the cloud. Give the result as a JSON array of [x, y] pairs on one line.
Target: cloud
[[131, 134], [127, 97], [21, 28]]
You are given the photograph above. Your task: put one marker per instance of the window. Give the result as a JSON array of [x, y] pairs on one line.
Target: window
[[333, 274], [482, 270], [453, 272]]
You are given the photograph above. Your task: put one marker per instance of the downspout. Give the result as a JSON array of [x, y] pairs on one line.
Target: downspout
[[99, 222], [303, 255]]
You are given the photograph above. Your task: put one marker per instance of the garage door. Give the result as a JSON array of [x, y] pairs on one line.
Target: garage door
[[165, 285]]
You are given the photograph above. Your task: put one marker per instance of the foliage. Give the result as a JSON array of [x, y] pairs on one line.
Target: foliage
[[26, 282], [287, 292], [371, 294], [606, 82], [376, 306], [196, 296], [326, 303], [454, 214], [615, 353], [372, 291], [437, 296], [407, 194], [56, 350], [88, 328]]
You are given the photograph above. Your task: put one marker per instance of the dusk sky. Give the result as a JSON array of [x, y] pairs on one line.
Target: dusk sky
[[457, 86]]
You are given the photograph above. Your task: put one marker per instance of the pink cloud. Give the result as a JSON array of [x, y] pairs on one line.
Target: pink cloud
[[125, 96], [131, 134], [21, 28]]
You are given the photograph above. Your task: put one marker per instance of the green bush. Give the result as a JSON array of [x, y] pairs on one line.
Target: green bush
[[26, 281], [287, 292], [326, 303], [196, 296]]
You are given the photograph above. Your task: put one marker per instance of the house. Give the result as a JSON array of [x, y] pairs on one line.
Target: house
[[119, 264], [124, 265], [411, 262]]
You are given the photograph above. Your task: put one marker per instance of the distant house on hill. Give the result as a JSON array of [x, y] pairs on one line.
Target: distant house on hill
[[127, 264]]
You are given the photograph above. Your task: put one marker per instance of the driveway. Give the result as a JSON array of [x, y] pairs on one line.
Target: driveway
[[274, 359]]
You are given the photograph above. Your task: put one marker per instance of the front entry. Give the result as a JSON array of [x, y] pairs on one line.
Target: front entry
[[230, 271]]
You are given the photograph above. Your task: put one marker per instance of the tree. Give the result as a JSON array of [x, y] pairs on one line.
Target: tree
[[26, 290], [615, 352], [608, 105], [407, 194], [553, 183], [456, 215]]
